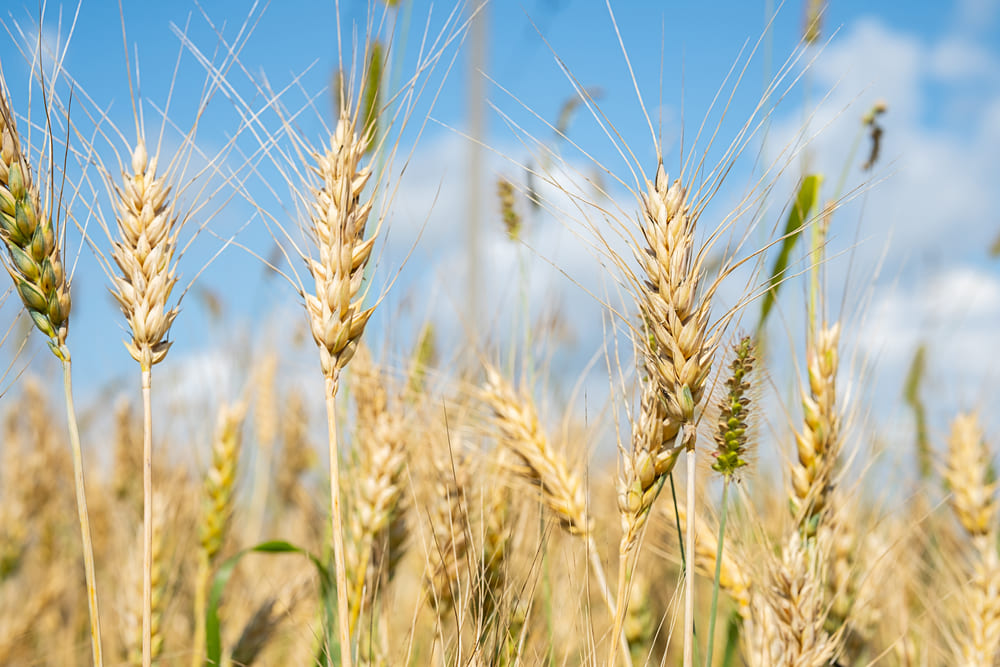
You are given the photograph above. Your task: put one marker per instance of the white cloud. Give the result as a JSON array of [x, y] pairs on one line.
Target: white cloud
[[956, 58]]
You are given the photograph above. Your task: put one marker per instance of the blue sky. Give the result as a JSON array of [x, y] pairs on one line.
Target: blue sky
[[911, 246]]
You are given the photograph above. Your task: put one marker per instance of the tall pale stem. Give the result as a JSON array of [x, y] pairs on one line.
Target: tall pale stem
[[617, 609], [689, 564], [200, 602], [81, 506], [147, 518], [343, 613]]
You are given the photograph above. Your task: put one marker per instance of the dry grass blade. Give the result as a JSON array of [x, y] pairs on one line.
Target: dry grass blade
[[446, 557]]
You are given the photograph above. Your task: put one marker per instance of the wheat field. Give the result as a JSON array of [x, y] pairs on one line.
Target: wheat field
[[348, 478]]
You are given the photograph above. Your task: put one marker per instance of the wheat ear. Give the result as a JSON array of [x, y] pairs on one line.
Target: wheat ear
[[733, 578], [144, 253], [377, 513], [819, 443], [520, 432], [33, 262], [788, 610], [678, 345], [217, 510], [337, 317], [973, 499]]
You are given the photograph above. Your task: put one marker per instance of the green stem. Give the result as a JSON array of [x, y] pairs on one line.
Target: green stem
[[718, 570], [732, 639], [81, 506], [677, 519]]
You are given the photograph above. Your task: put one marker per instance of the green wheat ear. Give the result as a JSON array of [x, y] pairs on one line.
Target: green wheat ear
[[731, 436], [27, 231]]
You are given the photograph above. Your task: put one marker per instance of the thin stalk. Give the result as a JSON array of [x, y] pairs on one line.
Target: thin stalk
[[200, 602], [343, 613], [602, 585], [718, 572], [732, 639], [147, 518], [677, 520], [81, 506], [622, 604], [689, 565]]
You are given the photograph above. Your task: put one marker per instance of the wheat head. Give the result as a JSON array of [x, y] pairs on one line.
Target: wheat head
[[677, 347], [26, 229], [520, 432], [144, 252], [339, 216]]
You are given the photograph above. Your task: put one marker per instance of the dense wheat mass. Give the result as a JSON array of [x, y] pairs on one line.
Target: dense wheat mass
[[483, 486]]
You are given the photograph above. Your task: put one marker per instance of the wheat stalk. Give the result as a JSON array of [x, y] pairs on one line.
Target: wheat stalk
[[337, 317], [33, 261], [678, 345], [144, 252], [158, 586]]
